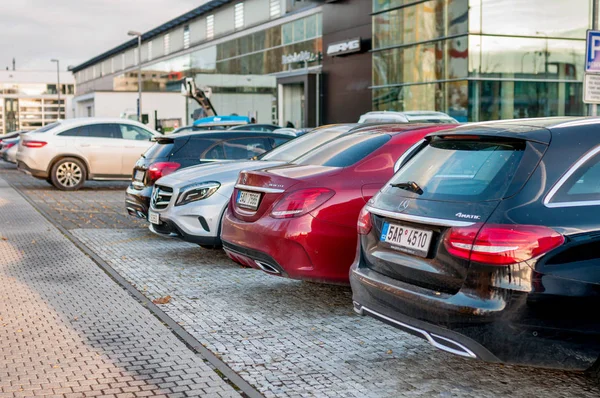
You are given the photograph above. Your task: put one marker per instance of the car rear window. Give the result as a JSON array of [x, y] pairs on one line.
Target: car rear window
[[344, 151], [299, 146], [462, 170], [160, 149]]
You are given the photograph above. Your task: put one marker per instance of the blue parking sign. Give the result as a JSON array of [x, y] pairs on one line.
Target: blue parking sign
[[592, 51]]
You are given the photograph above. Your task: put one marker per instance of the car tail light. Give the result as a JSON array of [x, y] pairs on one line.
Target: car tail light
[[499, 244], [364, 222], [8, 145], [34, 144], [160, 169], [298, 203]]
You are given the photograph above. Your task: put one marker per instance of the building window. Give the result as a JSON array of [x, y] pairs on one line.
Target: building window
[[94, 72], [238, 16], [136, 56], [123, 61], [186, 36], [210, 27], [275, 8], [149, 45], [112, 65], [101, 69], [167, 43]]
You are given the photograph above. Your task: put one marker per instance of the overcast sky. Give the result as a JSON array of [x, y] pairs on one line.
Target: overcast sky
[[35, 31]]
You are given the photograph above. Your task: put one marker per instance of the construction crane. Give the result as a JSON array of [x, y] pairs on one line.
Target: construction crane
[[202, 97]]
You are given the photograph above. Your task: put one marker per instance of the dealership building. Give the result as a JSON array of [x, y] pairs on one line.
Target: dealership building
[[312, 62]]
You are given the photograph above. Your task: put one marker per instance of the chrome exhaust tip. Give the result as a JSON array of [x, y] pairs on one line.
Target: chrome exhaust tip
[[267, 268]]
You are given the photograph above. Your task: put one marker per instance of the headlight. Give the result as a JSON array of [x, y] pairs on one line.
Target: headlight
[[193, 192]]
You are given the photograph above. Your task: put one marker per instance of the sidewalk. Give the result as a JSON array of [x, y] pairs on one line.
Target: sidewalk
[[67, 329]]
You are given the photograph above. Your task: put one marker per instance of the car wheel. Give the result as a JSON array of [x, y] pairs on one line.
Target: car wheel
[[68, 174], [211, 247]]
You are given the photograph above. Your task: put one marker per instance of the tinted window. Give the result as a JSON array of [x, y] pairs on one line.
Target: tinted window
[[193, 147], [130, 132], [215, 153], [463, 170], [275, 142], [583, 185], [344, 151], [101, 131], [299, 146], [245, 148], [159, 150], [74, 132]]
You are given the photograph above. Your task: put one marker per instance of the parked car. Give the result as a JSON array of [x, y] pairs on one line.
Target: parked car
[[11, 135], [299, 220], [177, 151], [293, 131], [189, 204], [485, 243], [221, 122], [69, 152], [256, 127], [8, 149], [407, 117]]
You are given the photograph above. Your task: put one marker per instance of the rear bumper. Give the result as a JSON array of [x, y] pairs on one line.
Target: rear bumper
[[32, 172], [503, 328], [137, 201], [301, 248]]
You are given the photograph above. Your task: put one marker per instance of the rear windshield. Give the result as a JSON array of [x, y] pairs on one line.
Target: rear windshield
[[159, 150], [299, 146], [344, 151], [463, 170]]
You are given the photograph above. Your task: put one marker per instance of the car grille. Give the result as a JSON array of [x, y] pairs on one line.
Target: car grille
[[161, 196]]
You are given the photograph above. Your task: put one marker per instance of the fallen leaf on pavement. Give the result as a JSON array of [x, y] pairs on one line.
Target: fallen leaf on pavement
[[162, 300], [390, 351], [4, 238]]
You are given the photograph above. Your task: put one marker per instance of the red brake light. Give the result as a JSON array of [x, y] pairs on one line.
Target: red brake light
[[364, 222], [34, 144], [498, 244], [8, 145], [160, 169], [298, 203]]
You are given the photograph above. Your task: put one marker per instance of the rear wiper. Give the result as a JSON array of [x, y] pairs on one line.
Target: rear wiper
[[409, 186]]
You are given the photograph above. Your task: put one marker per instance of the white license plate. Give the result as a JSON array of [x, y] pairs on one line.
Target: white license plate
[[153, 217], [248, 199], [139, 175], [408, 239]]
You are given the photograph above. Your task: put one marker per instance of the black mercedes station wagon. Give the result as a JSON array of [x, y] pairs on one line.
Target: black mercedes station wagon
[[487, 243]]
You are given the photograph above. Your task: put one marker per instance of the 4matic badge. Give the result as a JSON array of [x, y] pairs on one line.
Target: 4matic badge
[[469, 216]]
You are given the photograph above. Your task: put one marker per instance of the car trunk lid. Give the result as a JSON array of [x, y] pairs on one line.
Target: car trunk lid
[[452, 183]]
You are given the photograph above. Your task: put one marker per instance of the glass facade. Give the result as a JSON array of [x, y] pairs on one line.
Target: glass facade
[[480, 59]]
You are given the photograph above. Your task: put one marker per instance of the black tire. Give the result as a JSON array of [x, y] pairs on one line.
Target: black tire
[[68, 174], [49, 181]]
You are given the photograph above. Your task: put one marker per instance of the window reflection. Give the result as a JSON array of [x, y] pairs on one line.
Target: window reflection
[[555, 18], [493, 56]]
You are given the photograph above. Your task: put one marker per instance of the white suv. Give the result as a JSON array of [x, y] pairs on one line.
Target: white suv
[[68, 152]]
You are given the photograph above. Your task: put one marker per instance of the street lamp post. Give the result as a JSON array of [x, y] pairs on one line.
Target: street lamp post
[[57, 83], [139, 36]]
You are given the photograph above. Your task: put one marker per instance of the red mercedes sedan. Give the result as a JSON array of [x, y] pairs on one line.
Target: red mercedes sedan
[[299, 220]]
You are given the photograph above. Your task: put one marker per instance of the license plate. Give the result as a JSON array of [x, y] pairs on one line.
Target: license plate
[[139, 175], [408, 239], [248, 199], [153, 217]]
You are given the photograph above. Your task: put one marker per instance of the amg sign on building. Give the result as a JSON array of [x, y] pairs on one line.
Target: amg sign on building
[[344, 47]]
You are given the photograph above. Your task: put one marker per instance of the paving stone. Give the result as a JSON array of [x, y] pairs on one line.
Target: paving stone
[[64, 322]]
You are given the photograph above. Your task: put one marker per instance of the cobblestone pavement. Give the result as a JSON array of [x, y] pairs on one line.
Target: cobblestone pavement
[[293, 339], [96, 205], [68, 330]]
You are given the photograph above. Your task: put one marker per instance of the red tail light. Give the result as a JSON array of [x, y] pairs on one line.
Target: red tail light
[[364, 222], [300, 202], [8, 145], [160, 169], [34, 144], [498, 244]]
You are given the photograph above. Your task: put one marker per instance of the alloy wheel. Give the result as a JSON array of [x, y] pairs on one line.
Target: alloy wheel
[[69, 174]]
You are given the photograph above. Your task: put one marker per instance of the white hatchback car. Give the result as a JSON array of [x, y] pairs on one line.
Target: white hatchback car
[[69, 152]]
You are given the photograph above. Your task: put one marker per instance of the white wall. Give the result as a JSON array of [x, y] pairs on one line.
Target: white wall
[[176, 39], [255, 11], [168, 105], [197, 30], [224, 20]]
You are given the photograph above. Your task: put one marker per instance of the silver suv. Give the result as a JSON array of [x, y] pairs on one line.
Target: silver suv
[[69, 152]]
